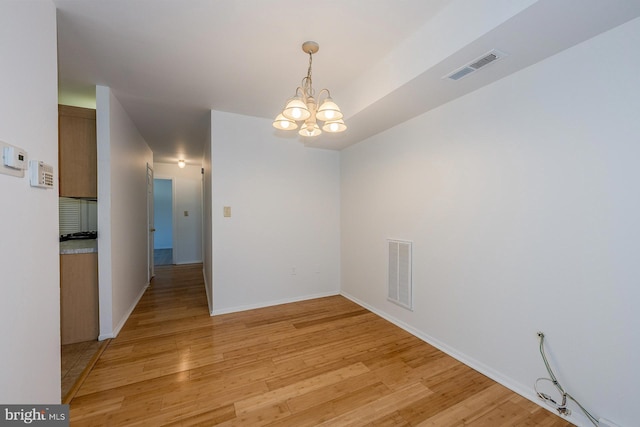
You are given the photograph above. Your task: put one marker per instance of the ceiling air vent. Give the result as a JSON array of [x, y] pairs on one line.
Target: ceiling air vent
[[475, 65]]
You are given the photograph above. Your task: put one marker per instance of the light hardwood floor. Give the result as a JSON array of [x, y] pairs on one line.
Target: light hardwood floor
[[319, 362]]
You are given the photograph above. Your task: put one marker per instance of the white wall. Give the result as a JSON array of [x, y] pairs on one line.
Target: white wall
[[522, 203], [187, 245], [207, 223], [122, 212], [281, 242], [163, 213], [29, 251]]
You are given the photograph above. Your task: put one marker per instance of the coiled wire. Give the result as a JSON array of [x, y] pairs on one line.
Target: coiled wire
[[562, 406]]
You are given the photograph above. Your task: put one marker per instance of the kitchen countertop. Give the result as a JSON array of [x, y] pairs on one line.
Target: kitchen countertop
[[71, 247]]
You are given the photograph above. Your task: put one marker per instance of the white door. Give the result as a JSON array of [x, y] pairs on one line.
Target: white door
[[150, 226]]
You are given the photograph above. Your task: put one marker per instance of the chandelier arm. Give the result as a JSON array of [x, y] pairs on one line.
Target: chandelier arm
[[300, 91], [306, 88], [320, 94]]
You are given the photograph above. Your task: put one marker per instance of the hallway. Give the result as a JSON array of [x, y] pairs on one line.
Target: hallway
[[312, 362], [162, 257]]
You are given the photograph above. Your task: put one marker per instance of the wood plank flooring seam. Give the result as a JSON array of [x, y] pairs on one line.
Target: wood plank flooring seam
[[316, 362]]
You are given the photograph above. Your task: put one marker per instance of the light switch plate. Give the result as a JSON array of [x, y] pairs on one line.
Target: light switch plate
[[227, 211]]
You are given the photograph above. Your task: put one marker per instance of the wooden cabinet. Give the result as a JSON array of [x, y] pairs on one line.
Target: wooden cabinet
[[77, 158], [79, 298]]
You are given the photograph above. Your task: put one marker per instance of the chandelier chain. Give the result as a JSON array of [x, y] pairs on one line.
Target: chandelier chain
[[307, 83]]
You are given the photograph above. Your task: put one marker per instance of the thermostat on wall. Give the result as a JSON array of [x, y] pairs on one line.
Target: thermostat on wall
[[15, 157], [14, 160]]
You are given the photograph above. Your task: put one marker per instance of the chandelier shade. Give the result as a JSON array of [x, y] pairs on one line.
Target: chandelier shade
[[334, 126], [296, 109], [283, 123], [329, 111], [304, 110], [310, 128]]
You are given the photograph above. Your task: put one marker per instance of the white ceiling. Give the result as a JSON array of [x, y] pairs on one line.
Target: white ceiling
[[169, 62]]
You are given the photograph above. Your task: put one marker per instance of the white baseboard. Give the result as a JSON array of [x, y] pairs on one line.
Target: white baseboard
[[272, 303], [188, 262], [206, 289], [124, 319], [527, 393]]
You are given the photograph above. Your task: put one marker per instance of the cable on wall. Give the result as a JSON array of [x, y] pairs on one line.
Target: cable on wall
[[561, 407]]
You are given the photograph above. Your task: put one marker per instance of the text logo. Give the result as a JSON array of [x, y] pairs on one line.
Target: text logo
[[36, 415]]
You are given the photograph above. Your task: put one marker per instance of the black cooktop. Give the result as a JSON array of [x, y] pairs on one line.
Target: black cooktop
[[82, 235]]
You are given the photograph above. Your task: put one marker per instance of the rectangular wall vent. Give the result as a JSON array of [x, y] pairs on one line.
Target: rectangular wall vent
[[475, 65], [399, 268]]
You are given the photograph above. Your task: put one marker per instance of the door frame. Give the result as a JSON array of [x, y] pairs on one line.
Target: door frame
[[174, 234], [150, 227]]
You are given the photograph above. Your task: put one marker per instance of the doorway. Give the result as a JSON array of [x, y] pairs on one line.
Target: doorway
[[163, 246]]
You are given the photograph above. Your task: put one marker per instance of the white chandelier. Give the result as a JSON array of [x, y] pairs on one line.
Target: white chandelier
[[304, 108]]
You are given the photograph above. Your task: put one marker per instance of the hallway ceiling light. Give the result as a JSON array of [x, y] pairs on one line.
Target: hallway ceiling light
[[304, 108], [181, 164]]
